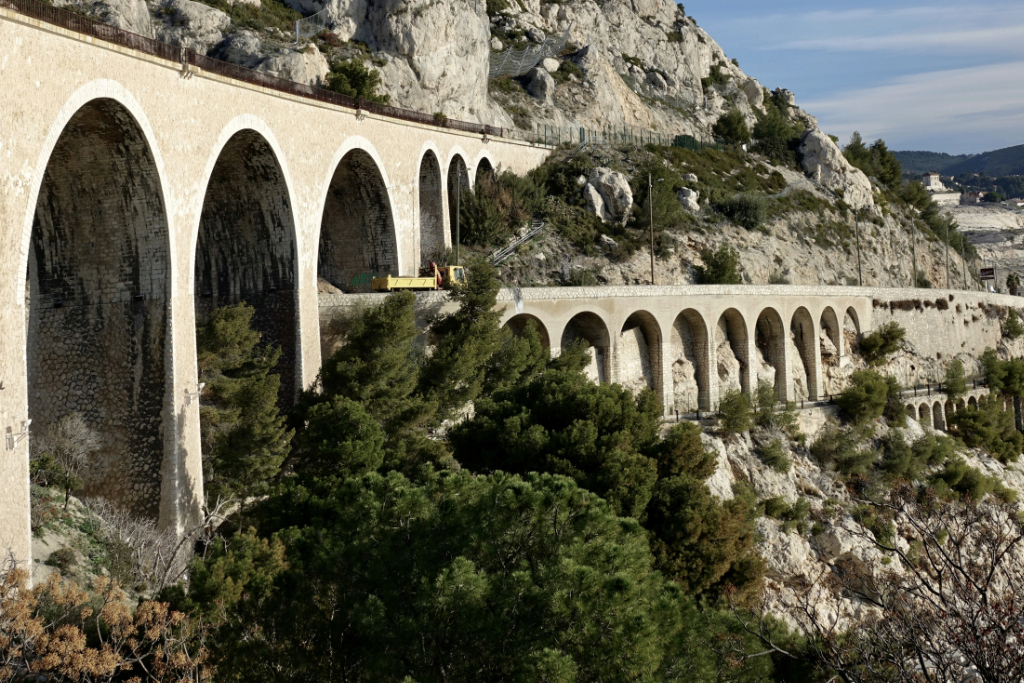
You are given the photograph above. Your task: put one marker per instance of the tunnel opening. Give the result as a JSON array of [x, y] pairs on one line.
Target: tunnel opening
[[357, 234], [590, 328], [433, 245], [96, 303], [246, 249], [639, 353], [689, 355]]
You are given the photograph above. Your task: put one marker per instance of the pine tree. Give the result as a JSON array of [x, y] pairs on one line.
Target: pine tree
[[244, 437]]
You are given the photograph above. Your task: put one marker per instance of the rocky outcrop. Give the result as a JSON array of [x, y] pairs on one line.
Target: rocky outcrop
[[690, 199], [308, 67], [192, 25], [825, 164], [540, 84], [607, 195]]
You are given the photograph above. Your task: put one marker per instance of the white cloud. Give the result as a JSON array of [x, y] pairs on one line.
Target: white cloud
[[1003, 38], [971, 109]]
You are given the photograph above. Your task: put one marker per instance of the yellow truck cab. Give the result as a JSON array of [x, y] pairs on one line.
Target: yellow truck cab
[[430, 277]]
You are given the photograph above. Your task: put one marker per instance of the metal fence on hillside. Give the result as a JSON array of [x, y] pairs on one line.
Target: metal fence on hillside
[[518, 62], [618, 135], [311, 25]]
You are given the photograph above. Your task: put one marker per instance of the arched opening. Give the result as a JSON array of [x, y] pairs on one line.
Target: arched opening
[[639, 353], [432, 238], [731, 359], [246, 248], [590, 328], [357, 232], [911, 412], [97, 301], [831, 337], [483, 168], [519, 323], [938, 418], [458, 183], [948, 409], [689, 356], [924, 415], [769, 340], [803, 341], [972, 403], [851, 331]]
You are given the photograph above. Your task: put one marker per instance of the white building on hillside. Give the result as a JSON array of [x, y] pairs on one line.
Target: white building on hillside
[[933, 182]]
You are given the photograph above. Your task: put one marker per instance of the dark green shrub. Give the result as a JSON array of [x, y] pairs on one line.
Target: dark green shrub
[[776, 137], [732, 127], [720, 267], [989, 427], [1012, 328], [770, 414], [496, 207], [354, 79], [773, 455], [881, 343], [876, 161], [63, 559], [734, 413], [865, 398], [746, 210], [955, 381], [959, 480], [839, 447]]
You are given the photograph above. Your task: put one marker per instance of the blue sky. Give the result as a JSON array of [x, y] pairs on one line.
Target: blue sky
[[944, 76]]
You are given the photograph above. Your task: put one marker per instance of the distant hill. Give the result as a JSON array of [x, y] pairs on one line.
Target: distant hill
[[1002, 162], [917, 163]]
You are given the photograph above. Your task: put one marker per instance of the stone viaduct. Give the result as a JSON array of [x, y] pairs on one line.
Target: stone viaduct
[[140, 189], [142, 185]]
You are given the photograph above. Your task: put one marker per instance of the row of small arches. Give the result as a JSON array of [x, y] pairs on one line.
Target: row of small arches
[[693, 340]]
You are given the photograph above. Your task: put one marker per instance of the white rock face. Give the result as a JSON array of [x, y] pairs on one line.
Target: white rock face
[[193, 25], [690, 199], [540, 84], [617, 198], [594, 202], [242, 48], [129, 15], [308, 67], [826, 165], [436, 51], [691, 178]]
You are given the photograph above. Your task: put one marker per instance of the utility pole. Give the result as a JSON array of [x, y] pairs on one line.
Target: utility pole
[[913, 250], [860, 273], [963, 263], [947, 254], [650, 202]]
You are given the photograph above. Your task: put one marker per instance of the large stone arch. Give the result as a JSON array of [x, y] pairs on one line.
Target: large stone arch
[[690, 355], [97, 289], [591, 328], [832, 332], [807, 346], [770, 342], [358, 239], [246, 247], [457, 181], [518, 324], [972, 403], [732, 352], [638, 354], [851, 330], [483, 166], [924, 415], [433, 238]]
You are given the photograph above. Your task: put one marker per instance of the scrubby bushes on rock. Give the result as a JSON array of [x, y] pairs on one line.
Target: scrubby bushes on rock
[[720, 267], [883, 342]]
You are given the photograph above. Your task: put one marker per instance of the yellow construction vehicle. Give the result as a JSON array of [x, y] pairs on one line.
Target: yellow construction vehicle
[[430, 277]]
